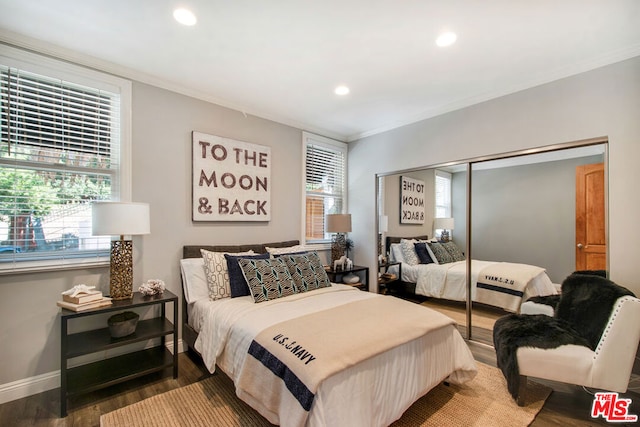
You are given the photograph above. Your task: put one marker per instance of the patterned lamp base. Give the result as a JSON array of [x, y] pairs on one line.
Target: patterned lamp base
[[121, 281], [338, 246]]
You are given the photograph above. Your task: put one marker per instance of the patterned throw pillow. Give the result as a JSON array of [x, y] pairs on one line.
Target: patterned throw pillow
[[307, 271], [440, 253], [454, 251], [217, 273], [268, 279], [237, 281], [409, 251]]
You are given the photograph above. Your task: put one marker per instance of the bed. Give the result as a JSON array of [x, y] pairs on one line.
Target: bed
[[499, 284], [363, 385]]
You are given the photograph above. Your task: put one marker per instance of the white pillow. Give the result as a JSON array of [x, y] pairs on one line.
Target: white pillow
[[409, 251], [217, 273], [287, 250], [396, 252], [194, 280]]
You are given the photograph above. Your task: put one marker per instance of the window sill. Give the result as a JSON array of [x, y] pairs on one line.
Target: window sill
[[318, 246], [27, 267]]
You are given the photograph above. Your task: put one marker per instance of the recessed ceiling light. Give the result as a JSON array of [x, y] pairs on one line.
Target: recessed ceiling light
[[341, 90], [446, 39], [185, 16]]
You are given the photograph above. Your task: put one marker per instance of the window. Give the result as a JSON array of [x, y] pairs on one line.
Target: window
[[325, 163], [443, 196], [62, 134]]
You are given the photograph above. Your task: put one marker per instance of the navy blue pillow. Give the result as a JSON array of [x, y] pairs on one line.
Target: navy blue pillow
[[423, 253], [238, 283]]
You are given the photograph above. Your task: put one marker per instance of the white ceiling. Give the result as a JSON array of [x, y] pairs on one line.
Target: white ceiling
[[281, 59]]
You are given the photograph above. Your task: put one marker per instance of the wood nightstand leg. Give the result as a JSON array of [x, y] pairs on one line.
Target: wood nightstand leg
[[175, 339], [63, 368]]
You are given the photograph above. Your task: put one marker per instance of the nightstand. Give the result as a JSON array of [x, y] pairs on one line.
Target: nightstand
[[336, 276], [109, 371], [386, 281]]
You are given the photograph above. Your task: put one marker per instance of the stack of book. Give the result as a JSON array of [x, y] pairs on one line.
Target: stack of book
[[84, 301]]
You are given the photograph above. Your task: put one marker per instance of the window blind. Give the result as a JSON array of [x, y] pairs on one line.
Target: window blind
[[443, 194], [59, 152], [325, 186]]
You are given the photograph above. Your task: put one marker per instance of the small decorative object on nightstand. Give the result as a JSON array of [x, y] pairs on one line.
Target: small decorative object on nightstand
[[350, 279], [123, 324], [152, 287]]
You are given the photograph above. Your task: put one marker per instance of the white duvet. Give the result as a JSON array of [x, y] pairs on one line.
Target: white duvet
[[373, 393], [449, 281]]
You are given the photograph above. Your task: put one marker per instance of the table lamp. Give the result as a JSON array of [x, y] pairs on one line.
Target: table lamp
[[444, 224], [120, 219], [339, 224], [383, 227]]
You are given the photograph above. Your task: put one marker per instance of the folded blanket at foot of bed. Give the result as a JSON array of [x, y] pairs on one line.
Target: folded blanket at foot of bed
[[503, 284], [302, 352]]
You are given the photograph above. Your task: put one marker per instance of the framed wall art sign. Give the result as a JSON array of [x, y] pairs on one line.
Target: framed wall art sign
[[231, 179], [411, 200]]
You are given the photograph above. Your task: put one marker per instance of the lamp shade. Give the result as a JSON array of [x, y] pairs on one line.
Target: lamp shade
[[338, 223], [383, 224], [443, 223], [120, 218]]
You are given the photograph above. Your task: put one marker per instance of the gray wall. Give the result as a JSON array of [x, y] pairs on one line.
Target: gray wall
[[601, 102], [526, 214]]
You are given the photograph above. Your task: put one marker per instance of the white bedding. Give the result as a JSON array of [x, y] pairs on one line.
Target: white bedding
[[448, 281], [372, 393]]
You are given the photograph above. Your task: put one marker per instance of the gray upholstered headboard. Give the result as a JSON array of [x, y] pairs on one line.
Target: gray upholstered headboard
[[189, 334], [193, 251]]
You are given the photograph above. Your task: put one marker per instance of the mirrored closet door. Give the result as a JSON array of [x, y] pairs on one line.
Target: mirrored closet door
[[408, 204], [532, 218]]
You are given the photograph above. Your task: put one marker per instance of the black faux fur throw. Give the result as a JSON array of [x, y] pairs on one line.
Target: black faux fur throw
[[521, 330], [581, 314], [601, 273], [551, 300], [586, 302]]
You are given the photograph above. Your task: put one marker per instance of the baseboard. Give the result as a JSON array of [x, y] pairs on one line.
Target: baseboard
[[40, 383], [29, 386]]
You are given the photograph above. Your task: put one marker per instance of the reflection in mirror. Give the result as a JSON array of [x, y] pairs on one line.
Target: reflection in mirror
[[407, 219], [535, 218], [528, 224]]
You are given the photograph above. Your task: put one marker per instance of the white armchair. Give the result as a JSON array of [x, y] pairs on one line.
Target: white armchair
[[607, 368], [590, 338]]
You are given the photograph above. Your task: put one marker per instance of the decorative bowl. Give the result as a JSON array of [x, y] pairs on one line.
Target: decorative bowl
[[123, 324], [350, 279]]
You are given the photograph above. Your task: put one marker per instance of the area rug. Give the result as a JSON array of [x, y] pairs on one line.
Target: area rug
[[212, 402]]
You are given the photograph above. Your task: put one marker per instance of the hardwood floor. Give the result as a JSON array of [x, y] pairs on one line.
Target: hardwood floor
[[43, 410], [567, 406]]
